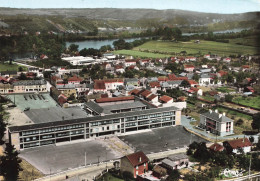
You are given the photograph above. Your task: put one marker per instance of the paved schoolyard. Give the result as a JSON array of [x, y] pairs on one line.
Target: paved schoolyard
[[59, 158], [161, 139]]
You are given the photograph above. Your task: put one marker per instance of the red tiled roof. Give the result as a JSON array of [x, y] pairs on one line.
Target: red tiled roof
[[151, 97], [113, 80], [165, 98], [114, 99], [222, 72], [119, 67], [99, 84], [216, 147], [182, 98], [189, 66], [146, 93], [154, 84], [163, 78], [194, 89], [239, 143], [137, 158], [172, 76], [75, 79], [245, 66], [130, 60], [192, 82], [134, 92]]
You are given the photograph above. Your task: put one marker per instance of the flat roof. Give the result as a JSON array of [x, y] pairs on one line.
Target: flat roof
[[132, 105], [90, 119], [46, 115], [46, 101]]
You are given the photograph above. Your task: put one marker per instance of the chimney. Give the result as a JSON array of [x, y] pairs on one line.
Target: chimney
[[216, 111], [210, 111], [224, 114], [140, 159]]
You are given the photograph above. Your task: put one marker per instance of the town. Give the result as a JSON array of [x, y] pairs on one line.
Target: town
[[144, 110]]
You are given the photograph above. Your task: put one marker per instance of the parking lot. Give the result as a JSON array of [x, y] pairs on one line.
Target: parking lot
[[53, 159], [161, 139]]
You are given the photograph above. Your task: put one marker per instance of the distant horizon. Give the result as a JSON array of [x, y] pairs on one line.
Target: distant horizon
[[203, 6], [137, 8]]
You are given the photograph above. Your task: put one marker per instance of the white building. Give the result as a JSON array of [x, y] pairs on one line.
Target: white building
[[205, 79], [79, 60], [216, 123]]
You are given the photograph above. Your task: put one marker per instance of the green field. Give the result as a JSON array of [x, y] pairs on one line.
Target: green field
[[249, 41], [248, 101], [204, 47], [109, 177], [8, 67], [225, 89], [136, 53]]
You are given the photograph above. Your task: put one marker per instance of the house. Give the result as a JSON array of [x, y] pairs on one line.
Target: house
[[194, 90], [216, 123], [166, 99], [136, 163], [119, 69], [144, 62], [193, 59], [189, 68], [175, 161], [171, 84], [237, 144], [130, 62], [227, 60], [30, 86], [8, 74], [107, 84], [145, 93], [163, 78], [6, 88], [193, 83], [207, 56], [153, 99], [221, 73], [74, 80], [249, 89], [205, 79], [216, 147], [245, 67], [67, 89]]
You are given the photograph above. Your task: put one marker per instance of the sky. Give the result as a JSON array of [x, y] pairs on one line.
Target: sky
[[211, 6]]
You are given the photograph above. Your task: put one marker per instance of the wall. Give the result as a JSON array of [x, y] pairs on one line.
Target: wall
[[126, 166]]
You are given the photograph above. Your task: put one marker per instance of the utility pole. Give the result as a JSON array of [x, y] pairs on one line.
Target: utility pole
[[98, 160], [85, 159], [249, 167]]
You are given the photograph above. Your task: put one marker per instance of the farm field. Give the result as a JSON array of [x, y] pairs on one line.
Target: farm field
[[136, 53], [8, 67], [249, 41], [204, 47], [248, 101]]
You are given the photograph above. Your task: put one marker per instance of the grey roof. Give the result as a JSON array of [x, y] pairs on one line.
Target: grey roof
[[168, 162], [205, 76], [165, 84], [131, 80], [216, 116], [175, 82], [94, 106], [190, 75], [152, 79], [183, 74], [205, 70], [90, 119], [177, 157], [66, 86], [30, 82], [136, 104]]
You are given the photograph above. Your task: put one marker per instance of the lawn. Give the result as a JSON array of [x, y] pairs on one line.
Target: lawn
[[136, 53], [248, 101], [204, 47], [29, 172], [225, 89], [109, 177], [8, 67]]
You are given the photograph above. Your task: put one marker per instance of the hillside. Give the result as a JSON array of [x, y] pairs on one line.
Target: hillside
[[89, 19]]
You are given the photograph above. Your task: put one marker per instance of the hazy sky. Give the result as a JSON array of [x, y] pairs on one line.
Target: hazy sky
[[214, 6]]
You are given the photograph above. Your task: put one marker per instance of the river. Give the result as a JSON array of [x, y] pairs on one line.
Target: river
[[99, 43]]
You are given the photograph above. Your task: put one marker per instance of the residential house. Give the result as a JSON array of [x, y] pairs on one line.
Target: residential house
[[6, 88], [74, 80], [216, 123], [119, 69], [130, 62], [192, 59], [237, 145], [227, 60], [193, 83], [189, 68], [9, 74], [194, 91], [166, 99], [136, 163], [154, 86], [145, 94], [153, 99], [205, 79], [144, 62], [132, 81], [207, 56], [67, 89]]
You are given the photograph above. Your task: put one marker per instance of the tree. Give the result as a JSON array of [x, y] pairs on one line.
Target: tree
[[10, 163], [251, 139], [202, 152], [2, 129], [73, 48], [256, 121], [174, 175], [239, 122], [185, 84]]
